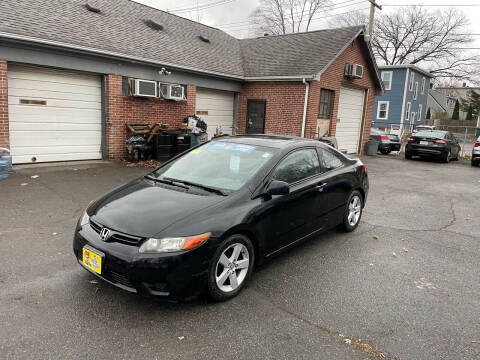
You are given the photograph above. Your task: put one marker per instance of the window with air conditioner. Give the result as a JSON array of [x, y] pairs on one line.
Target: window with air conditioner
[[172, 92], [143, 88]]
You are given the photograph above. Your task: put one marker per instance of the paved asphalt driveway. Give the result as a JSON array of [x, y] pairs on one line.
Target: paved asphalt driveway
[[305, 304]]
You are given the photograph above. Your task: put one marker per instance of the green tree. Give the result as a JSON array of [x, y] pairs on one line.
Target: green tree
[[456, 111], [469, 113], [429, 115]]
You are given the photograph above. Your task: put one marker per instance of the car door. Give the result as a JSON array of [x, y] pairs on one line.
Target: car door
[[338, 180], [288, 218]]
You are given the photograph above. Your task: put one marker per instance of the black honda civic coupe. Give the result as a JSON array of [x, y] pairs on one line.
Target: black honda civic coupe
[[200, 222]]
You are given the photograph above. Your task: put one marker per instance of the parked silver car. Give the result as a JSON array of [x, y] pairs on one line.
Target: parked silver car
[[476, 153]]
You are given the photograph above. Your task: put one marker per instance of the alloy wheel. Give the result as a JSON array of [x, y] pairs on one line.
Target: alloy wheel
[[232, 267], [354, 210]]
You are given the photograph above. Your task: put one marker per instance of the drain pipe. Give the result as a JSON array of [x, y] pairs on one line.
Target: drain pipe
[[305, 103]]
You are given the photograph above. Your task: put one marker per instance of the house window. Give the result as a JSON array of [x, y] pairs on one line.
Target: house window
[[407, 113], [419, 115], [423, 85], [415, 93], [387, 79], [413, 117], [326, 104], [410, 84], [382, 110]]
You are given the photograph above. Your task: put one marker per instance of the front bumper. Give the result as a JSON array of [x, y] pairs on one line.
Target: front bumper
[[179, 274]]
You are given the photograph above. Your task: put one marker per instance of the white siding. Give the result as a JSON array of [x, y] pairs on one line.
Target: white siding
[[219, 105], [350, 114], [68, 127]]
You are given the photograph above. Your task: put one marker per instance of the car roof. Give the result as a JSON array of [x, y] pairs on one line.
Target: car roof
[[274, 141]]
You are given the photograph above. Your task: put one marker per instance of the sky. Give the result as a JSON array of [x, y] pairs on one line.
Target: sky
[[232, 15]]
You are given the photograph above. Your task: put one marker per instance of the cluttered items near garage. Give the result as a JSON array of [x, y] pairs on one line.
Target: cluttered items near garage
[[159, 142], [5, 163]]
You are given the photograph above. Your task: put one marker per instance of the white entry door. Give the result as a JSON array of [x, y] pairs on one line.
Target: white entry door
[[54, 115], [349, 119], [215, 107]]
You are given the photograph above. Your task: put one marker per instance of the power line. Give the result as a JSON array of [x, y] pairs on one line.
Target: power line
[[436, 5], [202, 6], [318, 18], [333, 7]]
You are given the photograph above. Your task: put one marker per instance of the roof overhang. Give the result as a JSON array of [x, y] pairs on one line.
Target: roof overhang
[[407, 66]]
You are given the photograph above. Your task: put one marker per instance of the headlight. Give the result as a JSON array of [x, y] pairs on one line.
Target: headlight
[[84, 219], [173, 243]]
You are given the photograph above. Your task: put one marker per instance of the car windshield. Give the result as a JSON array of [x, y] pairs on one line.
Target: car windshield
[[218, 164], [431, 134]]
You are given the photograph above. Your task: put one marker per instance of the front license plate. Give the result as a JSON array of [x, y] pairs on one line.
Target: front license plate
[[423, 142], [92, 260]]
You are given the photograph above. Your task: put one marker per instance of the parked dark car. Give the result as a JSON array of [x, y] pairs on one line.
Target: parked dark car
[[202, 220], [476, 153], [388, 142], [433, 143]]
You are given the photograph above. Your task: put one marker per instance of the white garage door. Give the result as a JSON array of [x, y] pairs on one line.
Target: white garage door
[[54, 115], [350, 114], [215, 107]]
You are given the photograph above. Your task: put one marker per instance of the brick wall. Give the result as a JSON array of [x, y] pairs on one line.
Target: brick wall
[[4, 132], [284, 106], [127, 109], [285, 100]]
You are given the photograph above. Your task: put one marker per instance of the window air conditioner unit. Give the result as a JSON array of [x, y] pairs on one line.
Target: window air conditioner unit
[[172, 92], [354, 71], [144, 88]]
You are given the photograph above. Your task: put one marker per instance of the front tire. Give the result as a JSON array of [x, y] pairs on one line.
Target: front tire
[[231, 267], [408, 156], [446, 159], [353, 212]]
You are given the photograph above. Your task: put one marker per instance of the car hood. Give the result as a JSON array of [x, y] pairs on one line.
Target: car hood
[[143, 208]]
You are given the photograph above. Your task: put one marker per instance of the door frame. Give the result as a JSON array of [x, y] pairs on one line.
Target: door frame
[[264, 113], [361, 128]]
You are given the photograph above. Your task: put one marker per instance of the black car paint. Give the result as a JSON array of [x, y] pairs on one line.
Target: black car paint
[[433, 150], [386, 145], [147, 208]]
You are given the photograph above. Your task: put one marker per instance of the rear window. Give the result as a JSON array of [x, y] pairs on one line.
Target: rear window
[[431, 134]]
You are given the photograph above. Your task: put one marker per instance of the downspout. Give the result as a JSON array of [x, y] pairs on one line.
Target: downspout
[[305, 105]]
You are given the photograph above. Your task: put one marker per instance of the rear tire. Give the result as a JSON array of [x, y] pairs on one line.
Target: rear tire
[[446, 159], [385, 151], [231, 267], [353, 212], [408, 156]]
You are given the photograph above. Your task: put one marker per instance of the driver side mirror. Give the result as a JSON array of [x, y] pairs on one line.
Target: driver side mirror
[[277, 187]]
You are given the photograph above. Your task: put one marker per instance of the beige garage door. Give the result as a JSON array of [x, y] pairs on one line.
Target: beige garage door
[[350, 115], [215, 107], [54, 115]]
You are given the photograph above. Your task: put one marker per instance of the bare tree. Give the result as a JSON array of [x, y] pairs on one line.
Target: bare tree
[[436, 40], [286, 16]]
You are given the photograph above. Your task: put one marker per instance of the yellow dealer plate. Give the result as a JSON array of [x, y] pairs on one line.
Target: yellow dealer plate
[[92, 260]]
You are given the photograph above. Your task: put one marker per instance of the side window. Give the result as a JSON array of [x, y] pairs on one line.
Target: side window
[[297, 166], [329, 160]]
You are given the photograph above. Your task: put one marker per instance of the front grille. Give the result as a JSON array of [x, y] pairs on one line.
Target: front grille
[[118, 278], [117, 236]]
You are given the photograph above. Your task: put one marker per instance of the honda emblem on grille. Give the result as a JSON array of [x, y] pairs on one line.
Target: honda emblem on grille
[[104, 234]]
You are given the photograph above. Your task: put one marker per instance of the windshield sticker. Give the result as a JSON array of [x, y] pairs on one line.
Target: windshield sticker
[[196, 151], [234, 164], [231, 146]]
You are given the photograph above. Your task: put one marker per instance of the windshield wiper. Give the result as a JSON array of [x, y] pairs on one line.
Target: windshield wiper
[[204, 187], [166, 181]]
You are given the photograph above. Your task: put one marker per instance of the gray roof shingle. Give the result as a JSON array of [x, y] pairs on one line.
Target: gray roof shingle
[[120, 29]]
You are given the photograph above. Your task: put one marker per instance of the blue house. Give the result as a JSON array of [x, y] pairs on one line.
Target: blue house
[[404, 103]]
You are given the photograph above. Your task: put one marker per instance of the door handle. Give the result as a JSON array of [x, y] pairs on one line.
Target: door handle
[[320, 187]]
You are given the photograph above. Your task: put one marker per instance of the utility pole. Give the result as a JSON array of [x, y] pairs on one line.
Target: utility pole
[[373, 5]]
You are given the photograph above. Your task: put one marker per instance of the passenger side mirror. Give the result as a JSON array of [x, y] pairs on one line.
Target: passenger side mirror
[[277, 187]]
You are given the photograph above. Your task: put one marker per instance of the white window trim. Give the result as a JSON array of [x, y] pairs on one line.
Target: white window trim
[[419, 113], [378, 110], [391, 78], [409, 106], [410, 83], [415, 92], [423, 85]]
